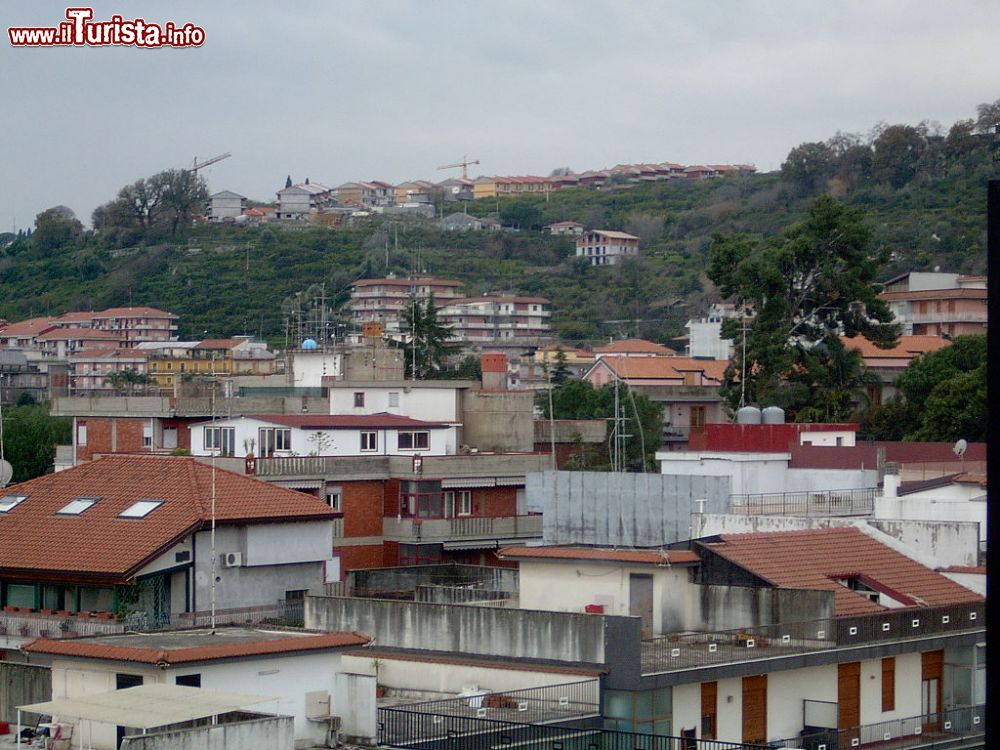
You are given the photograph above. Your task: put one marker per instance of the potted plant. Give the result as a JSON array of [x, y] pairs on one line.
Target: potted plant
[[380, 689]]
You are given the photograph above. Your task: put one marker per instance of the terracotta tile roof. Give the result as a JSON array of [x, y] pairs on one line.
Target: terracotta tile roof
[[665, 368], [906, 348], [128, 312], [90, 649], [31, 326], [218, 343], [526, 300], [634, 346], [39, 543], [110, 353], [811, 559], [406, 282], [346, 421], [85, 334], [977, 570], [925, 294], [636, 556]]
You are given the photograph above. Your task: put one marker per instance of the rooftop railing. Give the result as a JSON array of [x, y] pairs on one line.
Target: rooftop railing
[[849, 502], [692, 650]]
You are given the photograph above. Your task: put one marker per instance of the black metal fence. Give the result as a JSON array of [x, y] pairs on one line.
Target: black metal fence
[[680, 651], [850, 502], [415, 730]]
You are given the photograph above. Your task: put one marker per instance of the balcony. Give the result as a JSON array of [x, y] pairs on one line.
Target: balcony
[[689, 650], [851, 502], [462, 528], [485, 465], [943, 316], [17, 628]]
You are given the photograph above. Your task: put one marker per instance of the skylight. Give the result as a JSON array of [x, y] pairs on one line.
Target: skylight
[[77, 505], [140, 509], [8, 502]]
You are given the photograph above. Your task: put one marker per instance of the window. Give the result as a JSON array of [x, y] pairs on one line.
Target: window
[[393, 398], [271, 439], [188, 680], [414, 440], [465, 503], [81, 433], [76, 506], [889, 683], [222, 439], [334, 498], [140, 509], [369, 441], [147, 436], [20, 595], [9, 502], [359, 399]]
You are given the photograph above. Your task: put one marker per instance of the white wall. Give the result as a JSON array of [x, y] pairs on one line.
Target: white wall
[[932, 509], [762, 473], [787, 691], [570, 585], [428, 404], [846, 438], [309, 368], [729, 714], [687, 707], [972, 581], [282, 543]]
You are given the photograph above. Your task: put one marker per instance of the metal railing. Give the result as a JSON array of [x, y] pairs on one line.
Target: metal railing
[[280, 613], [29, 625], [467, 595], [688, 650], [463, 527], [850, 502], [941, 729]]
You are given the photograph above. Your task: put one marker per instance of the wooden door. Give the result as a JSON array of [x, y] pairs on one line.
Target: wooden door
[[640, 601], [848, 701], [931, 672], [755, 709], [709, 709]]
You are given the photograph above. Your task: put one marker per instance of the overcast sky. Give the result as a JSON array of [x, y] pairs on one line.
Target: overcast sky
[[339, 91]]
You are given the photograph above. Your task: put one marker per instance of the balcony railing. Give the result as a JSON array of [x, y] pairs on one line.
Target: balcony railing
[[445, 529], [851, 502], [688, 650], [943, 316], [22, 626]]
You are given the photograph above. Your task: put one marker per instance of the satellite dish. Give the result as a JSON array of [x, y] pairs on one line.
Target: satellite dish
[[6, 472], [960, 447]]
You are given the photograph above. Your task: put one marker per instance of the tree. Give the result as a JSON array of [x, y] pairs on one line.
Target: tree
[[560, 373], [808, 165], [810, 284], [897, 152], [987, 117], [55, 228], [30, 437], [427, 345], [125, 381], [522, 214], [160, 205]]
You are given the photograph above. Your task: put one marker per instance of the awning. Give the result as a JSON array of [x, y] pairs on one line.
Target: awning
[[463, 482], [493, 543], [300, 484], [147, 706]]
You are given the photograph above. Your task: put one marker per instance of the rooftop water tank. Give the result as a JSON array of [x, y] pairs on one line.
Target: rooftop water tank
[[310, 344], [773, 415], [748, 415]]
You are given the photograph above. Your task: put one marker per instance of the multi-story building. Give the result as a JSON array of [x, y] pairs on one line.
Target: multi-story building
[[604, 247], [632, 348], [573, 228], [299, 201], [225, 205], [94, 371], [888, 364], [383, 300], [136, 324], [415, 191], [487, 320], [935, 304]]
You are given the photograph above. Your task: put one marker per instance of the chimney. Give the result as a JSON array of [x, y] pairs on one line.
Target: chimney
[[890, 480], [494, 366]]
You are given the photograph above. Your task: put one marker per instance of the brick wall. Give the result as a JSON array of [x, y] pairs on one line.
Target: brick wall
[[363, 506], [111, 434], [494, 502], [362, 556]]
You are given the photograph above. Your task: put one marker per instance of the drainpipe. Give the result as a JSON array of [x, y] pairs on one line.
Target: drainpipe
[[891, 480]]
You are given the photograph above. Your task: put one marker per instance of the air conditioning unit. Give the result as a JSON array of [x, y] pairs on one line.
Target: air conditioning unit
[[232, 559]]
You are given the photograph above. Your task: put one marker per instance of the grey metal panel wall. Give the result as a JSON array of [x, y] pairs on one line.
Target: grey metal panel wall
[[21, 684], [627, 510]]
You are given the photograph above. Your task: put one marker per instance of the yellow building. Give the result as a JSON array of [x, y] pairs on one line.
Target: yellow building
[[171, 363]]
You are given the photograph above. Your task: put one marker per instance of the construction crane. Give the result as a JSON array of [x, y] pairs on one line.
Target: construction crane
[[196, 165], [464, 164]]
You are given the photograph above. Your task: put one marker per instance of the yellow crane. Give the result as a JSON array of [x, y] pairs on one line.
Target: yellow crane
[[464, 164]]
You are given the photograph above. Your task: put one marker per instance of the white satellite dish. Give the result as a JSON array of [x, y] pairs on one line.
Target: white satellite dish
[[6, 472], [960, 447]]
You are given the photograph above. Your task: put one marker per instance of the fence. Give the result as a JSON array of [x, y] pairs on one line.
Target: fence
[[415, 730], [287, 613], [680, 651], [943, 729], [469, 595], [850, 502]]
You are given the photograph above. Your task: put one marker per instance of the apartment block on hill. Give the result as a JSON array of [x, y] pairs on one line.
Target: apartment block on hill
[[604, 247], [937, 304]]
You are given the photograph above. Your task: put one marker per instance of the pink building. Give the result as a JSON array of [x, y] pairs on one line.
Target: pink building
[[137, 324], [938, 303]]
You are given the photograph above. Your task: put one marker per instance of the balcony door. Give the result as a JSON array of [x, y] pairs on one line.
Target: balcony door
[[755, 709], [640, 601], [931, 668], [848, 701]]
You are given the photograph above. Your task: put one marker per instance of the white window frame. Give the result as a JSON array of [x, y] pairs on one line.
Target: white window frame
[[464, 503], [413, 435], [394, 399], [220, 439], [369, 441], [335, 498]]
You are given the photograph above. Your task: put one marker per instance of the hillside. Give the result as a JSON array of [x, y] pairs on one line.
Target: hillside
[[234, 280]]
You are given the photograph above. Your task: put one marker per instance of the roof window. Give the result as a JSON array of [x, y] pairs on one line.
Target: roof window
[[76, 506], [9, 502], [140, 509]]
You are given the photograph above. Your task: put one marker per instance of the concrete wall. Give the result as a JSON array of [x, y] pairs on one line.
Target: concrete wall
[[472, 630], [932, 509], [426, 403], [21, 684], [354, 701], [392, 580], [972, 581], [248, 586], [709, 607], [632, 510], [499, 420], [271, 733], [932, 543]]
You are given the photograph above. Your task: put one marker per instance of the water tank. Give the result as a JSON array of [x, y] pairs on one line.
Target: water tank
[[773, 415], [310, 344], [748, 415]]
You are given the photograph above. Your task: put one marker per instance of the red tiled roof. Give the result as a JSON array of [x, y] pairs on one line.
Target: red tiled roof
[[218, 343], [961, 293], [811, 559], [977, 570], [526, 300], [634, 346], [84, 334], [27, 327], [406, 282], [665, 368], [636, 556], [38, 542], [345, 421], [907, 347], [86, 648], [128, 312]]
